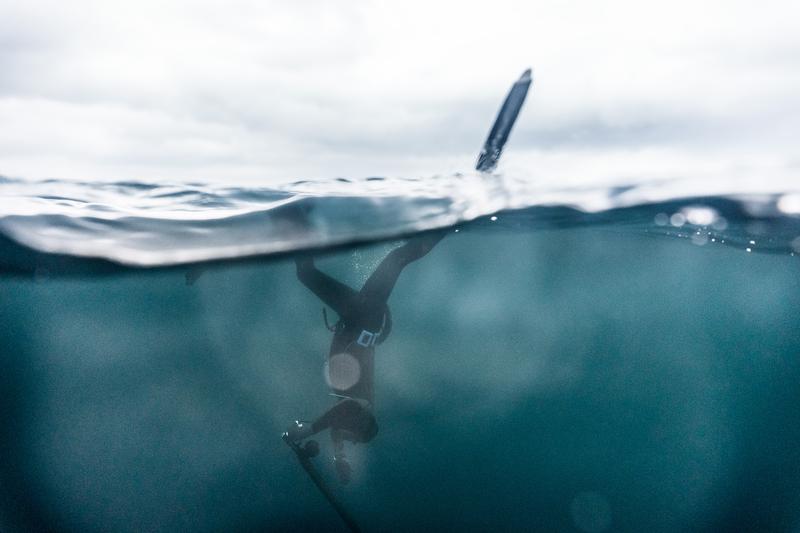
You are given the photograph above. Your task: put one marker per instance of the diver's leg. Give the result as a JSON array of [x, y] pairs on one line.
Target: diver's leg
[[348, 420], [333, 293], [342, 417], [334, 418], [340, 462], [378, 287], [337, 416]]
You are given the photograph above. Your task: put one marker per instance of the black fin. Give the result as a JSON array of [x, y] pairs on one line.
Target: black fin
[[304, 457], [498, 135]]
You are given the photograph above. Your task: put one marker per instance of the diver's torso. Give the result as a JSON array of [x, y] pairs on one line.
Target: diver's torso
[[351, 364]]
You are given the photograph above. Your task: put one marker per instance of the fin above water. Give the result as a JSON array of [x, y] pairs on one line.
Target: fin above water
[[498, 135]]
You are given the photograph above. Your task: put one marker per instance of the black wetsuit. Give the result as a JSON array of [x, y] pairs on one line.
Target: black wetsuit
[[362, 324]]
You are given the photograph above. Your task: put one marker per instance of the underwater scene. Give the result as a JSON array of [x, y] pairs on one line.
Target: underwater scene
[[259, 274], [547, 368], [396, 267]]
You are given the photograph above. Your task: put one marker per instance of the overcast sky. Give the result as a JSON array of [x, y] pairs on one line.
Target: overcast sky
[[263, 92]]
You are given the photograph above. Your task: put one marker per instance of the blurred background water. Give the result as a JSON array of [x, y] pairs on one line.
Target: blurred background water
[[606, 374]]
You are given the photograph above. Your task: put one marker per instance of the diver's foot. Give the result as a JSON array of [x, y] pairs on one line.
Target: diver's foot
[[342, 468], [297, 432]]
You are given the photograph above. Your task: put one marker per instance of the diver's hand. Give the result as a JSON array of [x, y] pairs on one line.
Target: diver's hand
[[342, 468]]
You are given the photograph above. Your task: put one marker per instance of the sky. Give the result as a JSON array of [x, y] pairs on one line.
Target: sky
[[268, 92]]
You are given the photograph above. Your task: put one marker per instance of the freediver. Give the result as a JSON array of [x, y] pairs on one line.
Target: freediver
[[364, 322]]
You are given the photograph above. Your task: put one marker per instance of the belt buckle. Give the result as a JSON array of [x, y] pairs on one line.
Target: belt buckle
[[366, 339]]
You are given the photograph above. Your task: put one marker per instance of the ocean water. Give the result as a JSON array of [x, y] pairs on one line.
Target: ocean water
[[618, 358]]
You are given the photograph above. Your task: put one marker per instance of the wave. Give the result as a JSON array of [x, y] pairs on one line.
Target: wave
[[159, 225]]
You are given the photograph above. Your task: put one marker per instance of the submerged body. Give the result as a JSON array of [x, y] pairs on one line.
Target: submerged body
[[364, 322]]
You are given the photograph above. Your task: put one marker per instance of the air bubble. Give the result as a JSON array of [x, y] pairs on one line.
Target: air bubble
[[720, 224], [677, 220], [699, 215]]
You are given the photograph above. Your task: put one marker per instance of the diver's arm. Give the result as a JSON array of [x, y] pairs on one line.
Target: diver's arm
[[333, 293]]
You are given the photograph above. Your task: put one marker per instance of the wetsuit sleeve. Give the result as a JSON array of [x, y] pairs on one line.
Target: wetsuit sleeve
[[379, 286], [332, 292]]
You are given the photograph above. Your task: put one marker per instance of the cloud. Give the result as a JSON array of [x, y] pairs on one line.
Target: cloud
[[269, 92]]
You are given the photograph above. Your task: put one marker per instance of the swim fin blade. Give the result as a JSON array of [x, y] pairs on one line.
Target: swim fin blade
[[304, 455], [498, 135]]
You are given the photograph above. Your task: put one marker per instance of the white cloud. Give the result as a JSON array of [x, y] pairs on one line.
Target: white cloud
[[270, 92]]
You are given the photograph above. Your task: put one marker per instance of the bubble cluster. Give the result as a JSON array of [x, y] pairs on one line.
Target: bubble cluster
[[700, 215], [696, 215], [706, 220]]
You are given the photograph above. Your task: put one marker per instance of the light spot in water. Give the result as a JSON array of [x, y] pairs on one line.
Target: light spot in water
[[456, 230], [493, 219], [748, 250], [720, 224], [752, 242], [677, 220], [789, 204], [590, 512], [661, 219], [700, 215], [342, 371], [713, 239]]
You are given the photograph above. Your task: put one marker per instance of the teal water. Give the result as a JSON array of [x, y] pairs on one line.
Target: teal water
[[593, 377]]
